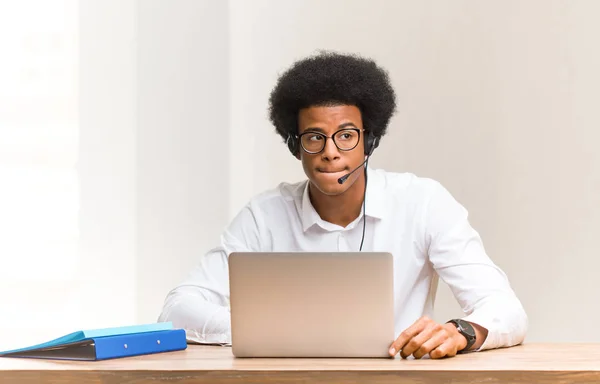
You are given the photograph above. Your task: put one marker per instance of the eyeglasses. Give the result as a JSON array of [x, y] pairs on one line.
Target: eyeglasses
[[345, 140]]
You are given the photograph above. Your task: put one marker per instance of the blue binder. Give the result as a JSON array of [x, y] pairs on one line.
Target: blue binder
[[106, 344]]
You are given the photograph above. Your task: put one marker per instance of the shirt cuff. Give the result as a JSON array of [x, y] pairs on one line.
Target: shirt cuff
[[195, 337], [489, 323]]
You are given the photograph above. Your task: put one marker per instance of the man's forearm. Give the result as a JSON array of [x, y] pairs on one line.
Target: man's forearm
[[204, 321]]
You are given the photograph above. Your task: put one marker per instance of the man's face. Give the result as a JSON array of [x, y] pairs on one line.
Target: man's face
[[324, 169]]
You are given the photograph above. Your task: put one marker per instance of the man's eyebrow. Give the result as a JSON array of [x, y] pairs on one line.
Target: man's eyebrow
[[314, 129], [347, 125]]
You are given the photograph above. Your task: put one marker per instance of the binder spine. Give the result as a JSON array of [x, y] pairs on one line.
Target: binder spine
[[139, 344]]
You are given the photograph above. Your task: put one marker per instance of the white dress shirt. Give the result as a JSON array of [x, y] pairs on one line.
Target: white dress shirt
[[415, 219]]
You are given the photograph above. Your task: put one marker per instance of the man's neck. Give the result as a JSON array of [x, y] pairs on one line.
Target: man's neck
[[341, 209]]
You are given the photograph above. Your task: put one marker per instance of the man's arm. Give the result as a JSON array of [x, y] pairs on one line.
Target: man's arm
[[200, 304], [481, 288]]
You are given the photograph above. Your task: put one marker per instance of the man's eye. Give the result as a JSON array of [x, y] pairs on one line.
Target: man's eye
[[315, 137], [346, 136]]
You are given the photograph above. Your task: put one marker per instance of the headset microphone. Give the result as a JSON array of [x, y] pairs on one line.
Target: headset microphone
[[342, 179]]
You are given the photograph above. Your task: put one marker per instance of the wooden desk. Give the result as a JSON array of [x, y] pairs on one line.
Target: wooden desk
[[529, 363]]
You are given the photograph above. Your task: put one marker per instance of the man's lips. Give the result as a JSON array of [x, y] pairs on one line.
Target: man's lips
[[331, 170]]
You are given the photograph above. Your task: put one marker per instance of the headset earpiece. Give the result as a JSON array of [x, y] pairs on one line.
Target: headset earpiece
[[371, 143], [292, 143]]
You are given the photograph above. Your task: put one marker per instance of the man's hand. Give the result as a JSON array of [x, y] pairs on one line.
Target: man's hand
[[426, 336]]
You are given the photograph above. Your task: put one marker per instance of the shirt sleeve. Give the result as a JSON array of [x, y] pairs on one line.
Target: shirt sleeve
[[481, 288], [200, 304]]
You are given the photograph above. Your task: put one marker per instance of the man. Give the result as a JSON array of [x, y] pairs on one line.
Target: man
[[332, 110]]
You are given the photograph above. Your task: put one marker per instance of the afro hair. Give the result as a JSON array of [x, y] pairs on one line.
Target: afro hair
[[328, 79]]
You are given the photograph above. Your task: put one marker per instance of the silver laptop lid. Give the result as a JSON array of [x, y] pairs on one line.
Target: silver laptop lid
[[304, 304]]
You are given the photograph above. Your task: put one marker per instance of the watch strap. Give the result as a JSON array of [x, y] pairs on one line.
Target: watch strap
[[467, 330]]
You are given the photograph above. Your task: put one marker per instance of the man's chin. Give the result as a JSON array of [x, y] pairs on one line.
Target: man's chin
[[331, 187], [331, 190]]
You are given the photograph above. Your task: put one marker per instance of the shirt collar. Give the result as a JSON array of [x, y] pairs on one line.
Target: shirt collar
[[375, 201]]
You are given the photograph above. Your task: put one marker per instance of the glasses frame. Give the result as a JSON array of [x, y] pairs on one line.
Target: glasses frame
[[332, 137]]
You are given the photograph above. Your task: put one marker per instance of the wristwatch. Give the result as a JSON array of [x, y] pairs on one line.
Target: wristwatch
[[465, 329]]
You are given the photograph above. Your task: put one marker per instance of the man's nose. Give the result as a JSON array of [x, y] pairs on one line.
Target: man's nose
[[330, 151]]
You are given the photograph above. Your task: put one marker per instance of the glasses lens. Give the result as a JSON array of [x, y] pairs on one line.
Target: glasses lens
[[346, 139], [313, 142]]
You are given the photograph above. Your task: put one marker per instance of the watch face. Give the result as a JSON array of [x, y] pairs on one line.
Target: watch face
[[466, 327], [467, 330]]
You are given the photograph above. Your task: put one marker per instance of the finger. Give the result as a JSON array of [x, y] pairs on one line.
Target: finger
[[408, 334], [417, 342], [446, 349], [437, 339]]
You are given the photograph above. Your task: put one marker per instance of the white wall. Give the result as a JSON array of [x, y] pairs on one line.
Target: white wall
[[182, 142], [506, 117], [154, 153], [107, 162], [495, 99]]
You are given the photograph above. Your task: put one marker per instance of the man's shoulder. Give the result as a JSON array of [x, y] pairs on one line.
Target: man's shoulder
[[269, 205], [402, 183], [284, 192], [411, 193]]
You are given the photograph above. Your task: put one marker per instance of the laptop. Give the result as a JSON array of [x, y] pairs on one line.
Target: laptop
[[304, 304]]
